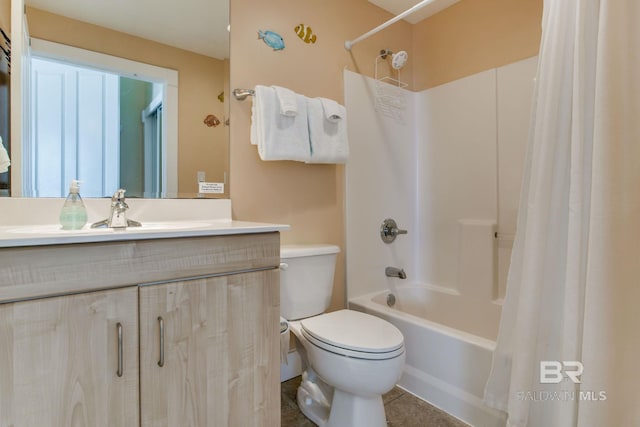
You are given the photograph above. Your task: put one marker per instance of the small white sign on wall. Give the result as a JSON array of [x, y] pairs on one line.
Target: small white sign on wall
[[211, 187]]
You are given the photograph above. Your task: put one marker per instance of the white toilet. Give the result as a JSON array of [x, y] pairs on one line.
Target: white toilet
[[349, 359]]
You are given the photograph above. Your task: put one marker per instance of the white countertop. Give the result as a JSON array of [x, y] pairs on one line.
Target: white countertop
[[17, 236], [33, 222]]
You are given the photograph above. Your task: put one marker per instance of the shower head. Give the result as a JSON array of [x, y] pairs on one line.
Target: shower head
[[398, 60]]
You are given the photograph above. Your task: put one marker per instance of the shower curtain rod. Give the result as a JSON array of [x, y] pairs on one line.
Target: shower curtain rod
[[349, 43]]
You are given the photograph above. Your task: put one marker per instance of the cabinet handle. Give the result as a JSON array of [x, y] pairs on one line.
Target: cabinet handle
[[120, 361], [161, 323]]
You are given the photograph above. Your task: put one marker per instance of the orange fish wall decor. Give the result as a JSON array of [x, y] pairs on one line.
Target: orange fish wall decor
[[305, 33], [211, 121]]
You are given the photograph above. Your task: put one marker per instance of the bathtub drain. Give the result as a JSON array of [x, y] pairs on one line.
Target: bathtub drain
[[391, 300]]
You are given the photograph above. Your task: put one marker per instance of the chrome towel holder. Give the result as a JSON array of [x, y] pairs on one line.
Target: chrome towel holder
[[241, 94]]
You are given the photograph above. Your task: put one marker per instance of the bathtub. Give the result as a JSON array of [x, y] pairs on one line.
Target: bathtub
[[446, 365]]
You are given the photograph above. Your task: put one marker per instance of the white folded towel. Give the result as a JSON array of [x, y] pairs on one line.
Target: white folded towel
[[329, 142], [333, 111], [5, 162], [279, 137], [287, 100]]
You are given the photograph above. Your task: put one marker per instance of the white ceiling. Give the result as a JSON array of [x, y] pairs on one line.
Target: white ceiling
[[196, 25], [396, 7]]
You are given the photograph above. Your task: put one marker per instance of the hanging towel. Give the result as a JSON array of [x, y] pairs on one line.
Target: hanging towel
[[329, 142], [333, 111], [287, 101], [279, 137], [4, 158]]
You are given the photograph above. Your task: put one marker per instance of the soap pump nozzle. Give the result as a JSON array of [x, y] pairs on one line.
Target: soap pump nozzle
[[75, 186]]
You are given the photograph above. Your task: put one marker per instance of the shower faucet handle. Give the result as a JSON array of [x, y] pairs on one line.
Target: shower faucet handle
[[389, 230]]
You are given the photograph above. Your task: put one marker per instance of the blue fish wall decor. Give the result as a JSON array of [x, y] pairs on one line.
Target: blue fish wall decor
[[305, 33], [271, 39]]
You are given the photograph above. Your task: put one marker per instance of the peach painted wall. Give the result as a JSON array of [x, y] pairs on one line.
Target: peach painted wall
[[201, 79], [5, 17], [308, 197], [473, 36]]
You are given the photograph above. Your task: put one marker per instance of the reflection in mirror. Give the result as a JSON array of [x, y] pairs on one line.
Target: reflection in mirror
[[194, 46], [99, 119]]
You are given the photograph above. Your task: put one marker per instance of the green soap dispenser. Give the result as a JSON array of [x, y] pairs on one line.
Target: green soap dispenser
[[73, 215]]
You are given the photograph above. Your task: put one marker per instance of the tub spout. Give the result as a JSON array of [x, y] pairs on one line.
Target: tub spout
[[395, 272]]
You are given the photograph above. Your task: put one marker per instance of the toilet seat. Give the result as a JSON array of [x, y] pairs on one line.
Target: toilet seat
[[354, 334]]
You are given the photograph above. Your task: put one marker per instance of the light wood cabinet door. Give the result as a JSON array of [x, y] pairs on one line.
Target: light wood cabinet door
[[217, 340], [59, 361]]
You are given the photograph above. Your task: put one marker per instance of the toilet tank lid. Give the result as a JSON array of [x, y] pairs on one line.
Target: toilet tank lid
[[296, 251]]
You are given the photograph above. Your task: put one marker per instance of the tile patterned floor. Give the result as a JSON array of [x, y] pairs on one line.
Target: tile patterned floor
[[402, 409]]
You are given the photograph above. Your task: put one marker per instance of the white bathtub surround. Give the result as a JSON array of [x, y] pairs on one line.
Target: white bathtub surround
[[444, 163], [451, 155], [573, 285], [380, 176], [516, 84]]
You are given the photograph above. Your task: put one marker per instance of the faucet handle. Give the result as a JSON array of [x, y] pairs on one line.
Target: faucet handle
[[389, 230], [117, 217], [118, 195], [117, 203]]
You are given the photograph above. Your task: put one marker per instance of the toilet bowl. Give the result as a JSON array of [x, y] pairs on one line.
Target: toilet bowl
[[349, 359]]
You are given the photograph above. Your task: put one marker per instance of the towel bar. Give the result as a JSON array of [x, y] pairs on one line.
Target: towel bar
[[241, 94]]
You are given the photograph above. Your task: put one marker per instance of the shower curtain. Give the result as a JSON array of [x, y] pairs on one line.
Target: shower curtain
[[568, 350]]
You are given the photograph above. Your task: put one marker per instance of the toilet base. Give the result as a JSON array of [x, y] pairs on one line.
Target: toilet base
[[350, 410], [346, 409], [311, 408]]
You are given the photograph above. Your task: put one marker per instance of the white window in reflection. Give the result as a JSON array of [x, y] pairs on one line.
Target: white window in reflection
[[98, 127], [108, 122]]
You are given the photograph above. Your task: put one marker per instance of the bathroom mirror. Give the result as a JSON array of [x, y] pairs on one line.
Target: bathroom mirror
[[188, 38]]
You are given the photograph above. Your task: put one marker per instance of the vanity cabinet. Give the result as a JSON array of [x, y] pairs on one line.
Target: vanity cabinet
[[183, 332], [205, 347], [61, 363]]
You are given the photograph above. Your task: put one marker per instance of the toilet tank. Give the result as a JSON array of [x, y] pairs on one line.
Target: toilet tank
[[306, 279]]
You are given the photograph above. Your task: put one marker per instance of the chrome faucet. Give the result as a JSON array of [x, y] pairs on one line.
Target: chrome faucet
[[117, 218], [395, 272], [389, 230]]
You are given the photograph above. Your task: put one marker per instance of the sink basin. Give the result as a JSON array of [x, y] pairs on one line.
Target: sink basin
[[147, 226]]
